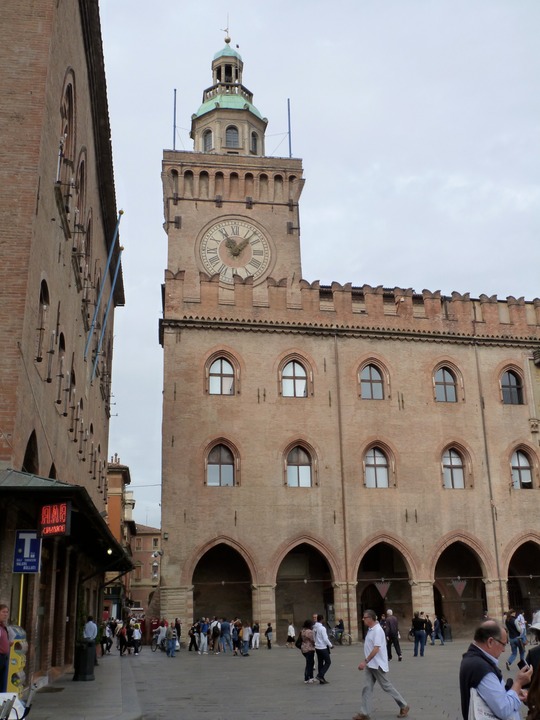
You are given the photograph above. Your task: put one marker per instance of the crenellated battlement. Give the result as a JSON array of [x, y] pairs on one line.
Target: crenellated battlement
[[346, 306]]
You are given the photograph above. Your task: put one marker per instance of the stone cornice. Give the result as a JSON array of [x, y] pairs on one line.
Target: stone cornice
[[277, 326]]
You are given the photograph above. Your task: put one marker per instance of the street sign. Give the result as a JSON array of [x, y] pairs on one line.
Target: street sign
[[27, 552]]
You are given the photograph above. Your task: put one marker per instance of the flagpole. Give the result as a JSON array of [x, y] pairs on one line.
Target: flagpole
[[105, 318], [102, 288]]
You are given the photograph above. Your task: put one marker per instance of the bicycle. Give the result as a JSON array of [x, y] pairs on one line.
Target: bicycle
[[343, 638], [154, 644]]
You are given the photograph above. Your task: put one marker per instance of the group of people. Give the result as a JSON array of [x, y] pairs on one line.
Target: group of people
[[128, 636], [220, 635], [484, 693], [167, 635]]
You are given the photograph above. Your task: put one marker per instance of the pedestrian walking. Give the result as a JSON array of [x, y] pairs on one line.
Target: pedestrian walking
[[269, 633], [375, 666], [392, 635], [322, 649], [291, 633]]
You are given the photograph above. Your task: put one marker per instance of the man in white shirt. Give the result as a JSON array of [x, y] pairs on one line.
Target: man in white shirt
[[376, 667], [90, 629], [322, 648]]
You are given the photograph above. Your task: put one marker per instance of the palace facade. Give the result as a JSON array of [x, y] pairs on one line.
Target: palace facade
[[60, 282], [330, 448]]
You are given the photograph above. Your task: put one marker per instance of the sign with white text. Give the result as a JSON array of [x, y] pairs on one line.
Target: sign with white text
[[27, 552]]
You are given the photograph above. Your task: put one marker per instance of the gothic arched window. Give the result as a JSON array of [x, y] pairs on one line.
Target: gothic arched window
[[512, 388], [299, 470], [376, 468], [221, 377], [220, 467], [453, 469], [445, 385], [371, 383], [294, 380], [521, 471]]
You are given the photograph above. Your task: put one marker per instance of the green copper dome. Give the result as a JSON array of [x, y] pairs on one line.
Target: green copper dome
[[227, 51], [231, 102]]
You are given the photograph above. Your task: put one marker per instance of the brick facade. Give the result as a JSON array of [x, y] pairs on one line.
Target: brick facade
[[57, 220], [262, 549]]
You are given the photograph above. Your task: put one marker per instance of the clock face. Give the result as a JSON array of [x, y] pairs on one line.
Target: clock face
[[235, 246]]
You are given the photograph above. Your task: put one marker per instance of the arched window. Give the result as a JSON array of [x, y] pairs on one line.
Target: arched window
[[67, 159], [512, 388], [231, 137], [445, 385], [207, 141], [220, 467], [60, 369], [254, 143], [294, 380], [376, 468], [221, 377], [371, 383], [521, 471], [299, 467], [43, 320], [453, 469], [80, 199]]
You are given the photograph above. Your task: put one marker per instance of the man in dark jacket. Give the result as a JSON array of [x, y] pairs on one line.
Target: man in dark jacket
[[479, 670]]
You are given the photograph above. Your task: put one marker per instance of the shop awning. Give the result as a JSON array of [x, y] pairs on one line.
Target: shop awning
[[88, 531]]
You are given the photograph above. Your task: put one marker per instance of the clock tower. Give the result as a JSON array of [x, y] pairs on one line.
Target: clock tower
[[231, 211]]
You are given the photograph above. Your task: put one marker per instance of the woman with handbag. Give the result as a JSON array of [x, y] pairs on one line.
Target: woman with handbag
[[308, 651]]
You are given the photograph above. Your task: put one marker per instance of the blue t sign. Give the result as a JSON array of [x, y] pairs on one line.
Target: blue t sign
[[27, 553]]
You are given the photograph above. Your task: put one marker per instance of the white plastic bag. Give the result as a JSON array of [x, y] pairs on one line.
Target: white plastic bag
[[478, 710]]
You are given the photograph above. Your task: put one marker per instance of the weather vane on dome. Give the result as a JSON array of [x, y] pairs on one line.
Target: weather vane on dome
[[226, 30]]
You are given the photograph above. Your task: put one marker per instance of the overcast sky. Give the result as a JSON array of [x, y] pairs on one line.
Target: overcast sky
[[418, 122]]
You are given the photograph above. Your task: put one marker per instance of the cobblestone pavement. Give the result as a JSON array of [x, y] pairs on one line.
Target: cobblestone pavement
[[267, 685]]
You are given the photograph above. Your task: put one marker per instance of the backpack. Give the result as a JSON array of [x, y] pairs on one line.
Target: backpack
[[215, 630], [298, 642]]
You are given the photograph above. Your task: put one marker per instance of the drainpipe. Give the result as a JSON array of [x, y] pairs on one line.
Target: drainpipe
[[342, 479], [489, 479]]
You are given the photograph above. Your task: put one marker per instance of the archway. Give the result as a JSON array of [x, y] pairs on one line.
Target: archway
[[222, 585], [383, 582], [459, 582], [31, 456], [524, 579], [304, 586]]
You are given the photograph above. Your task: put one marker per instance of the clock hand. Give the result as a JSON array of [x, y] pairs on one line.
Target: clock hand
[[242, 245]]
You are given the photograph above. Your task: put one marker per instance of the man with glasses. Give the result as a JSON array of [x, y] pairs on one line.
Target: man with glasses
[[376, 667], [479, 670]]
